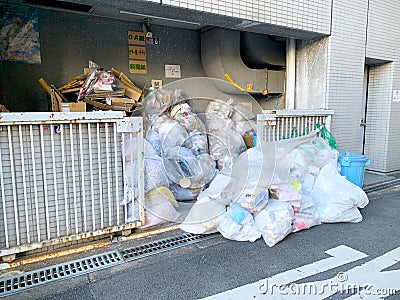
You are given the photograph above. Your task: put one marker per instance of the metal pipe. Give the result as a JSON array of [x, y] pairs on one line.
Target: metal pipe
[[63, 161], [126, 183], [24, 184], [116, 170], [35, 182], [44, 174], [82, 177], [108, 175], [3, 197], [91, 176], [100, 176], [71, 137], [53, 156], [16, 217], [132, 158]]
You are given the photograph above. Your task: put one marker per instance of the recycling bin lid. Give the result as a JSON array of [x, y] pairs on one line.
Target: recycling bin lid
[[348, 156]]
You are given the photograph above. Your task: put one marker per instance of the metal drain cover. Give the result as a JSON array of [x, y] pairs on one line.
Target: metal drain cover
[[17, 283], [163, 245], [382, 185]]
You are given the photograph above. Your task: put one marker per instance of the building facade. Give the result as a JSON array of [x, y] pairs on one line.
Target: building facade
[[346, 55]]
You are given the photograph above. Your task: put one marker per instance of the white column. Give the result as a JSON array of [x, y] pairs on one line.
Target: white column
[[290, 72]]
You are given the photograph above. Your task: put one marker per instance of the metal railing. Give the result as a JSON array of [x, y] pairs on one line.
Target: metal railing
[[284, 124], [61, 177]]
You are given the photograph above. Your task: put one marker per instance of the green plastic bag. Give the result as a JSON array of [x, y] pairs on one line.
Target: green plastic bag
[[327, 135]]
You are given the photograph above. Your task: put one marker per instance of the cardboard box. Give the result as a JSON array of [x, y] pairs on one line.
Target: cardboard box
[[248, 140], [79, 106]]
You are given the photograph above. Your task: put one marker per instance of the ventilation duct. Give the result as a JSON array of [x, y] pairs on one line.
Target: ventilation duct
[[220, 55], [259, 51]]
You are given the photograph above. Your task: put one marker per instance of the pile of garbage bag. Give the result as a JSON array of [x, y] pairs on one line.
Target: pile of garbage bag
[[291, 185], [184, 152], [267, 191]]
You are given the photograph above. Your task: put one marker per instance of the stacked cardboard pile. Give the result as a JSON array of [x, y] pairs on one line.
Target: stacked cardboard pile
[[103, 90]]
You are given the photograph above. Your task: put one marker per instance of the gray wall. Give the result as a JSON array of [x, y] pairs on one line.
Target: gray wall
[[69, 40]]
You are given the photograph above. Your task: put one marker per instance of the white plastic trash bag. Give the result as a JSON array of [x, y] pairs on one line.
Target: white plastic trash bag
[[238, 224], [197, 142], [154, 174], [337, 198], [203, 217], [186, 169], [307, 216], [275, 221], [171, 132], [183, 113], [219, 109], [225, 144], [183, 194], [160, 213]]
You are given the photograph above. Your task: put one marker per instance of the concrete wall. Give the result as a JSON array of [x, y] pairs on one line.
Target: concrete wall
[[311, 70], [345, 70], [69, 40]]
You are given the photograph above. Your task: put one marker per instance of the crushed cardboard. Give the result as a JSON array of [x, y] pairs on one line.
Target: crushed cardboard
[[125, 99]]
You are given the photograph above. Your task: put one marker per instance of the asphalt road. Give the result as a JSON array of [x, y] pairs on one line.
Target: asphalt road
[[216, 265]]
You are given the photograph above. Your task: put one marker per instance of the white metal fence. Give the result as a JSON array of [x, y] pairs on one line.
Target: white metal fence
[[61, 177], [284, 124]]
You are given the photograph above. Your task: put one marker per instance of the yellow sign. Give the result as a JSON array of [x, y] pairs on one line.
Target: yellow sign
[[137, 67], [136, 38], [249, 87], [137, 52]]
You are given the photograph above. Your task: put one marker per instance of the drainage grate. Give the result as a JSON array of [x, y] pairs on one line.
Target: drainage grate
[[17, 283], [164, 245], [381, 186]]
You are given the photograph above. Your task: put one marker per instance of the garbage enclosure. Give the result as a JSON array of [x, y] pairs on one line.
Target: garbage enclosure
[[61, 177]]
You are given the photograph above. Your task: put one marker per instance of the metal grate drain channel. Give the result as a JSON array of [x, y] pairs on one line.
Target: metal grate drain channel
[[17, 283], [381, 186], [163, 245]]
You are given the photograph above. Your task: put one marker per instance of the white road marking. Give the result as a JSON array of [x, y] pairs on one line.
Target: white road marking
[[366, 281], [341, 255]]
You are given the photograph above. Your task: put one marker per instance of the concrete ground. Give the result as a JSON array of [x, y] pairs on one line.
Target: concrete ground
[[217, 265]]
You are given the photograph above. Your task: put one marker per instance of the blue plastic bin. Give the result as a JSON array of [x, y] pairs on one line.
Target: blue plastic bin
[[353, 167]]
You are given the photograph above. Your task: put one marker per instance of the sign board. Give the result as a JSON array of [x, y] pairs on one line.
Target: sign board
[[137, 52], [249, 87], [152, 40], [137, 67], [156, 83], [136, 38], [172, 71]]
